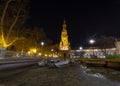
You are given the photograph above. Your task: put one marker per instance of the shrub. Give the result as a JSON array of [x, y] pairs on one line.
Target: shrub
[[113, 56]]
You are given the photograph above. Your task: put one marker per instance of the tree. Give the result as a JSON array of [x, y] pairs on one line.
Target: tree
[[33, 37], [52, 49], [37, 36], [12, 17], [105, 43]]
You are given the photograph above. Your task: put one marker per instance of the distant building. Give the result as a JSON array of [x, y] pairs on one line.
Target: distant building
[[64, 46], [88, 53], [117, 44]]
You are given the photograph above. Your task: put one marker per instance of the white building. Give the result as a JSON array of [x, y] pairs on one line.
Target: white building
[[88, 53]]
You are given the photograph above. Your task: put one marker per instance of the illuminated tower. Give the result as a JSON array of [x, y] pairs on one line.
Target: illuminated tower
[[64, 46]]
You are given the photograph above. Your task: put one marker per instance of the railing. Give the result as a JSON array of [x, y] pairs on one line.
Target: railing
[[16, 63], [111, 63]]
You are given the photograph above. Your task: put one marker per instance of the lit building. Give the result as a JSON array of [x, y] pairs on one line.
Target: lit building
[[117, 44], [88, 53], [64, 46]]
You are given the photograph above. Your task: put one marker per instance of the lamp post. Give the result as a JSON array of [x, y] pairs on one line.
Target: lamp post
[[52, 52], [92, 41], [81, 51], [80, 47], [42, 44], [34, 52]]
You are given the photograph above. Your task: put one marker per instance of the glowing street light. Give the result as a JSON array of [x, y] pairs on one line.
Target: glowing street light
[[80, 47], [52, 49], [34, 51], [91, 41], [52, 52], [42, 43]]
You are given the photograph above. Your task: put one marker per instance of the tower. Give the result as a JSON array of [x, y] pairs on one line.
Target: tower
[[64, 46]]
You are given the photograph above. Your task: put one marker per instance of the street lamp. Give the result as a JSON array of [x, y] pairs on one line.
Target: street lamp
[[80, 47], [81, 51], [92, 41], [52, 52], [42, 44]]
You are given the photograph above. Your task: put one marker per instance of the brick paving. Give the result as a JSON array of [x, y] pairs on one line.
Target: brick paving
[[67, 76]]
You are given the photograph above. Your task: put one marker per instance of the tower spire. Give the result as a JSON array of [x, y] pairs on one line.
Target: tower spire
[[64, 25], [64, 43], [64, 46], [64, 22]]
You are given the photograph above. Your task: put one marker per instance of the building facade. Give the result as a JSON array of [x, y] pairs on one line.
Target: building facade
[[117, 44], [88, 53]]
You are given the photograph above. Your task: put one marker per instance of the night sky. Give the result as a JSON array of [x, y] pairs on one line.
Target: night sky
[[85, 19]]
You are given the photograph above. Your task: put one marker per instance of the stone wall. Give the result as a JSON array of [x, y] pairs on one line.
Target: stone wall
[[117, 44]]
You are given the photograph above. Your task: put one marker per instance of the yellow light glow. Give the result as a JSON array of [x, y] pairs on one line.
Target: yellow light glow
[[46, 55], [39, 54], [29, 52], [33, 50], [50, 55]]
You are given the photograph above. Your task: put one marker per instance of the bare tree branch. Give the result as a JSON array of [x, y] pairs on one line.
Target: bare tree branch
[[13, 24], [2, 21]]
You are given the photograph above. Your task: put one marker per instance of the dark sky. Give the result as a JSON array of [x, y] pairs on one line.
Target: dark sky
[[85, 19]]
